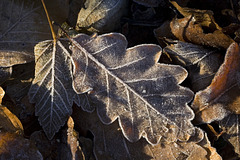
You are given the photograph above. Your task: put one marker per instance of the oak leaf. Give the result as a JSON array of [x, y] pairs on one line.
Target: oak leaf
[[130, 85], [222, 96], [201, 63], [101, 15]]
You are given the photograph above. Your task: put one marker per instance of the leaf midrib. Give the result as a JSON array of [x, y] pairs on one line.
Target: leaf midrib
[[119, 80]]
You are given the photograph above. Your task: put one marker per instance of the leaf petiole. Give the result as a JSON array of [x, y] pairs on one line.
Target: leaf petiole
[[50, 22]]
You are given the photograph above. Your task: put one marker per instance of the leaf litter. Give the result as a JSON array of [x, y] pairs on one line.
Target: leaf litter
[[105, 75], [221, 97], [111, 144]]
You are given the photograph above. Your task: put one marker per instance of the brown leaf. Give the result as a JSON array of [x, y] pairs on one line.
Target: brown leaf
[[2, 93], [201, 63], [221, 96], [9, 122], [212, 153], [186, 29], [14, 146], [130, 85], [203, 17], [110, 143], [231, 127], [72, 141], [101, 15]]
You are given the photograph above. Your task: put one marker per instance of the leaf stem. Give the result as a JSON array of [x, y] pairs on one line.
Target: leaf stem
[[50, 22]]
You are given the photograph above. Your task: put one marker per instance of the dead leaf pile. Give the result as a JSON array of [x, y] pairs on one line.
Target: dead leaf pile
[[111, 95]]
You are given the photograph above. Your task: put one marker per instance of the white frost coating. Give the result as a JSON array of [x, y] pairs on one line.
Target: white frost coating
[[135, 102]]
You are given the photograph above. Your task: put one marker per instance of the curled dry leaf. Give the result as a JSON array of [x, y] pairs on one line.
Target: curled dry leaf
[[132, 86], [109, 143], [201, 63], [186, 29], [203, 17], [101, 15], [222, 95], [230, 126], [199, 27], [51, 88]]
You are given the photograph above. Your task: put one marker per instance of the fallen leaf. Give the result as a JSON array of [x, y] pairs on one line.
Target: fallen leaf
[[82, 100], [51, 89], [199, 27], [101, 15], [72, 141], [203, 17], [9, 122], [162, 32], [132, 86], [230, 126], [186, 29], [8, 59], [2, 93], [221, 96], [14, 146], [109, 143], [212, 152], [201, 63], [17, 87], [74, 8]]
